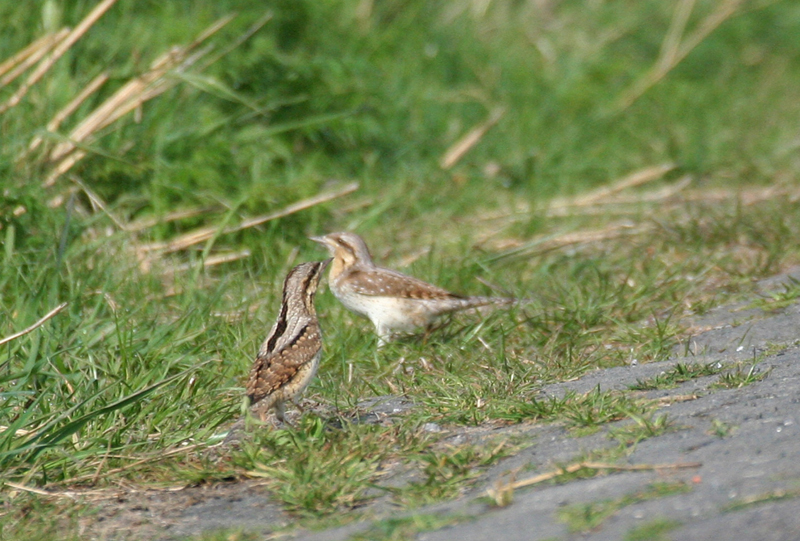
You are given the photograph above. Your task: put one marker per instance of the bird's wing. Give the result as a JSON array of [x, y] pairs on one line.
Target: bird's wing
[[381, 281], [275, 368]]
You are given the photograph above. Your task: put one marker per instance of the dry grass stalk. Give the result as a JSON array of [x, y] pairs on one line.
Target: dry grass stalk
[[255, 27], [81, 495], [465, 144], [614, 231], [128, 98], [726, 10], [98, 202], [17, 432], [204, 233], [36, 325], [57, 53], [39, 491], [215, 27], [137, 463], [747, 197], [214, 260], [30, 55], [638, 178], [413, 256], [672, 40], [63, 166], [64, 113], [667, 400], [673, 51], [622, 204], [545, 243], [43, 42], [572, 468], [147, 223], [572, 206], [653, 196]]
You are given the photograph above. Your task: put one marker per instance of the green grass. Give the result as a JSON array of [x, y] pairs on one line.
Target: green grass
[[396, 529], [730, 377], [146, 364], [642, 428], [778, 300], [758, 499], [654, 530], [676, 375], [38, 518], [362, 463], [740, 376], [721, 429], [590, 516]]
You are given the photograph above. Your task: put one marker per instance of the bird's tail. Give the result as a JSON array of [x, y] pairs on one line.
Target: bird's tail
[[469, 303]]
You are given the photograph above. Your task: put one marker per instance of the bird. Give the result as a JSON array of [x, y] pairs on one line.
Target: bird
[[395, 302], [289, 357]]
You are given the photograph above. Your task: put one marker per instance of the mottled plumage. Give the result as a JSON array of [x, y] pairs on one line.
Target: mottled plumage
[[393, 301], [288, 359]]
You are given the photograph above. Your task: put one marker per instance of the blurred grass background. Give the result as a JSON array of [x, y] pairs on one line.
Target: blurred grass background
[[292, 99]]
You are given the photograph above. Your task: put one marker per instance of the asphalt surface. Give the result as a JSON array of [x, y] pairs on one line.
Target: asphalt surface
[[747, 486]]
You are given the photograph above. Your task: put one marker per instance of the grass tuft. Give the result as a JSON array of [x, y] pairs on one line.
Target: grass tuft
[[587, 517]]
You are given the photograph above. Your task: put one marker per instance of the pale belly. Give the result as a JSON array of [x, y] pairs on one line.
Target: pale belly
[[404, 315]]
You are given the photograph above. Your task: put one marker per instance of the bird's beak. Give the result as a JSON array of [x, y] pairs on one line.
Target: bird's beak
[[325, 264], [325, 242]]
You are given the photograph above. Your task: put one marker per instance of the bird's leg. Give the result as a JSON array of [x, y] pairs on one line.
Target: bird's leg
[[384, 335], [439, 323], [280, 413], [296, 402], [262, 414]]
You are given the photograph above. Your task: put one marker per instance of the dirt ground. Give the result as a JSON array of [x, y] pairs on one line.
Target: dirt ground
[[745, 443]]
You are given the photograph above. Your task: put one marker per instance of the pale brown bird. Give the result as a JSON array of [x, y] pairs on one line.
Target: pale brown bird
[[288, 359], [393, 301]]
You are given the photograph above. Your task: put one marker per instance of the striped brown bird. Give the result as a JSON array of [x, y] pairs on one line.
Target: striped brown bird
[[288, 359]]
